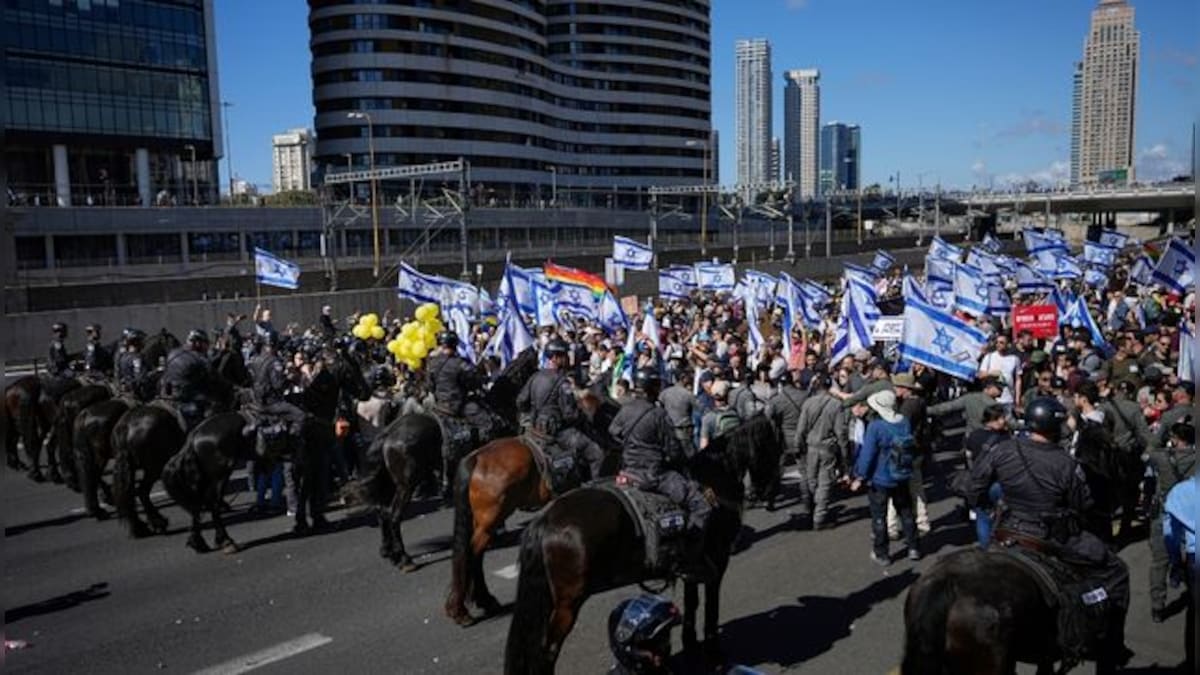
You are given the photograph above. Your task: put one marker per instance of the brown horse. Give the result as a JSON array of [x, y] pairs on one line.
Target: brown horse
[[495, 481]]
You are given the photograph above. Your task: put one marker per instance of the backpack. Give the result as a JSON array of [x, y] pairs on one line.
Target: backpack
[[901, 453], [727, 420]]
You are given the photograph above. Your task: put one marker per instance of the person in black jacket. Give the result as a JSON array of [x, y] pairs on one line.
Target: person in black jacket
[[977, 444]]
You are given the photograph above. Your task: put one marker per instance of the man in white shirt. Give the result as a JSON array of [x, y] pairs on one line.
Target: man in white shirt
[[1000, 361]]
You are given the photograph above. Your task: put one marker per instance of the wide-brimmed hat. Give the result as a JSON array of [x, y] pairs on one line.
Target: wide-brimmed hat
[[884, 403], [906, 380]]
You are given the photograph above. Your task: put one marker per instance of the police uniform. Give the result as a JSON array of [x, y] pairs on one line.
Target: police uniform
[[681, 406], [549, 399], [270, 388], [96, 359], [130, 371], [821, 435], [1171, 466], [652, 456], [59, 362], [184, 381]]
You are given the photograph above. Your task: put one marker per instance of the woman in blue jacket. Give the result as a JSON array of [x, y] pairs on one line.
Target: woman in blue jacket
[[886, 473]]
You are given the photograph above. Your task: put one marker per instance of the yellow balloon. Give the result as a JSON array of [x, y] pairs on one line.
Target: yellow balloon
[[369, 320], [436, 326], [413, 363], [377, 332], [359, 332], [409, 329]]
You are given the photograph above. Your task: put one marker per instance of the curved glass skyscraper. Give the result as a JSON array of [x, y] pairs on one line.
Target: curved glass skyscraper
[[583, 101]]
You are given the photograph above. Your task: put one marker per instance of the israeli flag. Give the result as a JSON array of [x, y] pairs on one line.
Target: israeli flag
[[796, 303], [576, 299], [755, 339], [1186, 369], [940, 294], [544, 294], [985, 261], [1099, 254], [512, 336], [971, 290], [1114, 239], [883, 261], [761, 286], [1031, 281], [632, 255], [940, 341], [1067, 267], [458, 320], [671, 287], [853, 332], [650, 329], [939, 270], [1006, 264], [610, 316], [866, 300], [487, 306], [912, 289], [990, 243], [686, 274], [418, 287], [273, 271], [1095, 277], [940, 248], [521, 283], [864, 275], [715, 277], [1142, 272], [818, 295], [999, 304], [1041, 241], [1176, 268], [1064, 302], [458, 294], [1080, 317]]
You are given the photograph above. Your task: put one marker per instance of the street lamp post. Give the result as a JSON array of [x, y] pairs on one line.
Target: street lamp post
[[195, 184], [350, 167], [226, 105], [554, 186], [358, 115], [707, 145]]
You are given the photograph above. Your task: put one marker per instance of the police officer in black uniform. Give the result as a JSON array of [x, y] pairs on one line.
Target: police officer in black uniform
[[653, 457], [130, 367], [1046, 498], [451, 380], [97, 361], [186, 378], [59, 362], [549, 399], [271, 387]]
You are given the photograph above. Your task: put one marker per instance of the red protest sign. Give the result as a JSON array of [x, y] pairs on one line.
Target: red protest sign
[[1040, 320]]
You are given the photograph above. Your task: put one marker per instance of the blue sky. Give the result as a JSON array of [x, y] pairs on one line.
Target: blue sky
[[965, 91]]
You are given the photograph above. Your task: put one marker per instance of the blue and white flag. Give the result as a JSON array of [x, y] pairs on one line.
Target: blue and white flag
[[1095, 277], [1115, 239], [1067, 267], [1142, 272], [866, 299], [912, 289], [818, 295], [1006, 264], [865, 275], [940, 248], [632, 255], [512, 336], [1176, 268], [1186, 369], [940, 294], [1080, 317], [651, 330], [671, 287], [686, 274], [544, 294], [576, 299], [418, 287], [461, 295], [521, 283], [1042, 241], [986, 262], [1031, 281], [754, 340], [1064, 302], [487, 306], [999, 304], [762, 287], [939, 270], [1099, 254], [990, 243], [941, 341], [457, 319], [610, 316], [270, 270], [883, 261], [853, 332], [797, 302], [715, 276], [971, 290]]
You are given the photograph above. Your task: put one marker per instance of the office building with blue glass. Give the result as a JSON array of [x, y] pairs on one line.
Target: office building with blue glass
[[841, 145], [109, 102]]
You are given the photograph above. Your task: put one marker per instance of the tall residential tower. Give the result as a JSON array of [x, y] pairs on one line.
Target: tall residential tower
[[1107, 98], [802, 129], [291, 155], [841, 145], [753, 111]]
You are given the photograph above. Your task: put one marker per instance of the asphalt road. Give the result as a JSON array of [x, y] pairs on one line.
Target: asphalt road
[[88, 599]]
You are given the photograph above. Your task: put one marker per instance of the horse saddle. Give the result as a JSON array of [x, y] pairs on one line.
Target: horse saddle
[[458, 436], [557, 465], [1073, 589], [661, 525]]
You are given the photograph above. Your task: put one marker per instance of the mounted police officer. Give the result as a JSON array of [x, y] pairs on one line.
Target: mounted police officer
[[681, 407], [549, 399], [186, 378], [1046, 498], [97, 361], [59, 363], [271, 387], [130, 367], [451, 380], [653, 458]]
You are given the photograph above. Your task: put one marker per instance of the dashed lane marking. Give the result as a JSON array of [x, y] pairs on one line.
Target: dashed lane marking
[[281, 651]]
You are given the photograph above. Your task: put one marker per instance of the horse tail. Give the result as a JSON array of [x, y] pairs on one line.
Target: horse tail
[[464, 518], [527, 634], [926, 612], [123, 473], [376, 489]]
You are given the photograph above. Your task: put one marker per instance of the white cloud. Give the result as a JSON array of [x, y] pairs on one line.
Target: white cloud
[[1057, 172], [1158, 163]]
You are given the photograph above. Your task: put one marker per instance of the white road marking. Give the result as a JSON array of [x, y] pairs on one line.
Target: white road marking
[[279, 652], [508, 572]]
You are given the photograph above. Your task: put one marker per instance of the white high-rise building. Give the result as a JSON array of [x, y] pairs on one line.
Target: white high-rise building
[[802, 129], [776, 160], [753, 111], [292, 153], [1107, 96]]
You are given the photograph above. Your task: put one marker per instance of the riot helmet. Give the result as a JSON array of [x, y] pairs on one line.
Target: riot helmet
[[1045, 416], [639, 632]]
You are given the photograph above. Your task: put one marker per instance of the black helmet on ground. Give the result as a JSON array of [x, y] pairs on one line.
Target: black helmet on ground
[[639, 632], [1045, 416], [447, 338], [647, 379], [556, 347], [197, 336]]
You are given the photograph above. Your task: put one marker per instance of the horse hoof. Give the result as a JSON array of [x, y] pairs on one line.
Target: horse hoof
[[463, 619], [231, 548], [158, 525], [36, 476], [198, 545], [407, 565]]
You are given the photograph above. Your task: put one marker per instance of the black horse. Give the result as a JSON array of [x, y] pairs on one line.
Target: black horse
[[586, 542], [144, 438], [30, 408], [61, 441], [93, 448], [408, 453]]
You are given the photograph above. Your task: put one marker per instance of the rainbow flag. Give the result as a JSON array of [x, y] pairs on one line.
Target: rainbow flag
[[570, 275]]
